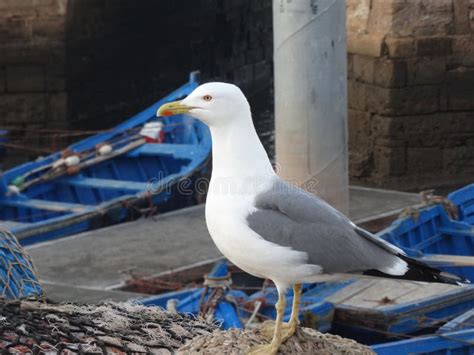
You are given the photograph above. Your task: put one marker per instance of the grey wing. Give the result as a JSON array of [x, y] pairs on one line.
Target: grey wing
[[289, 216]]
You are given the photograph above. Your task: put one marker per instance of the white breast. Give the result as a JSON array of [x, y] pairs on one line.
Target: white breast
[[226, 222]]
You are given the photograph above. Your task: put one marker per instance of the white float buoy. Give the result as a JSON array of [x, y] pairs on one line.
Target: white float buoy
[[106, 149], [13, 190], [73, 160]]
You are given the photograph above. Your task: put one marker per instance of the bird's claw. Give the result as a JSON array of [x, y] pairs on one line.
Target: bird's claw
[[287, 330], [264, 349]]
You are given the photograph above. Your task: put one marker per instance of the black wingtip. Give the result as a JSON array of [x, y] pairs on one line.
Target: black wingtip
[[431, 274], [418, 271]]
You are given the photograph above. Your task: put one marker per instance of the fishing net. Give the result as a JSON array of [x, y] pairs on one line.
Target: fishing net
[[107, 328], [17, 273], [128, 328], [305, 341]]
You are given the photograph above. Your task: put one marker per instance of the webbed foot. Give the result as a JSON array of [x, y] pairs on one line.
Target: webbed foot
[[287, 330]]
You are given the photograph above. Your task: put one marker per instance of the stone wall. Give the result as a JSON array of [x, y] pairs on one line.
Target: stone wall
[[90, 64], [411, 92], [32, 80]]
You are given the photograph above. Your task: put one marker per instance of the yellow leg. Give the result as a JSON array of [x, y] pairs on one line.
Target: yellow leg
[[272, 348], [291, 326], [288, 329]]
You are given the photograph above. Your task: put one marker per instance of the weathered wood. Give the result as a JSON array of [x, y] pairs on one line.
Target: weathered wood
[[382, 293], [390, 306], [448, 260], [350, 291], [426, 291]]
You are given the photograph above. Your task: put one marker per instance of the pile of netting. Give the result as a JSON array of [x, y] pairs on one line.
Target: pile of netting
[[17, 272], [125, 328], [118, 328], [305, 341]]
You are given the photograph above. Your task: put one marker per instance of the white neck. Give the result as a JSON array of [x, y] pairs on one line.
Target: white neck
[[237, 151]]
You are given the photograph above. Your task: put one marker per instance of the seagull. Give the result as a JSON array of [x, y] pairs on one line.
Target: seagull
[[272, 229]]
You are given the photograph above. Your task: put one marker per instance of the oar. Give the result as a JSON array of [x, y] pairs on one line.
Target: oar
[[21, 181], [92, 161], [447, 260]]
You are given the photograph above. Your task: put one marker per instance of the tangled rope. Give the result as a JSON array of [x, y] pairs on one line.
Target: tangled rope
[[17, 273]]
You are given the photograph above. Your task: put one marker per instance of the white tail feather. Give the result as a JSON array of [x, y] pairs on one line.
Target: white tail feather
[[399, 268]]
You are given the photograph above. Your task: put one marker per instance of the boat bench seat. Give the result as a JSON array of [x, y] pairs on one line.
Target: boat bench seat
[[176, 150], [11, 225], [107, 184]]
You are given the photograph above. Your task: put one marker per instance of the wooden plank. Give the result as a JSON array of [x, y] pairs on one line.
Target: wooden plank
[[381, 293], [447, 260], [427, 291], [386, 305], [350, 291]]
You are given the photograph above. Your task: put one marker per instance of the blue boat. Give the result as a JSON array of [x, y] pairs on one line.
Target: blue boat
[[373, 311], [464, 321], [463, 199], [441, 235], [234, 308], [106, 178], [436, 238], [194, 299], [368, 310], [451, 343]]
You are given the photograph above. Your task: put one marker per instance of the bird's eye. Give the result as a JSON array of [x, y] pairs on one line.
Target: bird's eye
[[207, 97]]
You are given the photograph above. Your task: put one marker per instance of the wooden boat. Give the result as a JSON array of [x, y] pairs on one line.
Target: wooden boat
[[464, 321], [463, 199], [369, 310], [376, 310], [440, 235], [459, 342], [236, 306], [106, 178]]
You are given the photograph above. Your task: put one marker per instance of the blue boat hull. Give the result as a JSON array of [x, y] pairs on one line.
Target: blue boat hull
[[432, 232], [453, 343], [145, 176]]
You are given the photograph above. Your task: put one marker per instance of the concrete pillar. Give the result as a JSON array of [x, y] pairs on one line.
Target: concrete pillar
[[311, 96]]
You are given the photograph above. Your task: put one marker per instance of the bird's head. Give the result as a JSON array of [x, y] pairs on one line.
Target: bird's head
[[212, 103]]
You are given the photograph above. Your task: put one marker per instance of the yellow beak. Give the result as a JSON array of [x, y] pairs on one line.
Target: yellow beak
[[173, 108]]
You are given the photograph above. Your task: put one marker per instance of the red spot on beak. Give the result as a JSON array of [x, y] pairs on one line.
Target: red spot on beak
[[167, 113]]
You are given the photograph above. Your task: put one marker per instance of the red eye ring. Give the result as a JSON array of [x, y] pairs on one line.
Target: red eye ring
[[207, 97]]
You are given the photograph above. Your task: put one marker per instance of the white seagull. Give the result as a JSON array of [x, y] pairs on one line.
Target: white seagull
[[272, 229]]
